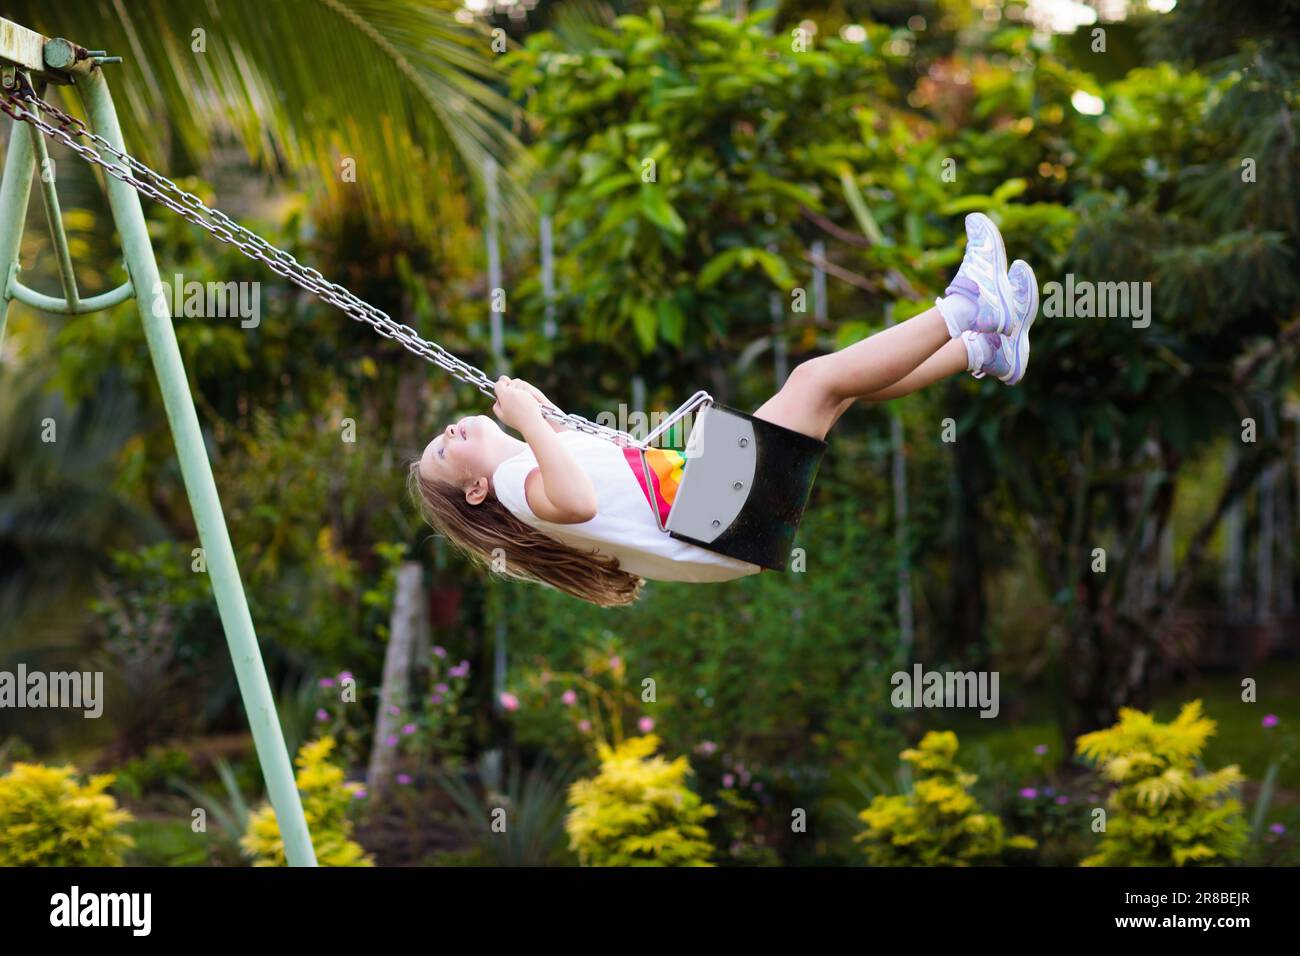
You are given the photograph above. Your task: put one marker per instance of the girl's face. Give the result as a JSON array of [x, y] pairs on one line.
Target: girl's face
[[465, 453]]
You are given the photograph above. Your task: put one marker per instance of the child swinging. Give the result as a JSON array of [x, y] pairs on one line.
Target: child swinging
[[572, 511]]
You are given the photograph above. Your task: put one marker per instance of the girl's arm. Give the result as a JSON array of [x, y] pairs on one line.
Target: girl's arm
[[558, 490]]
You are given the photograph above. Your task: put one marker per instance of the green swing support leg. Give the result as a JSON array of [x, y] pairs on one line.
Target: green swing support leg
[[15, 191], [196, 470], [201, 488]]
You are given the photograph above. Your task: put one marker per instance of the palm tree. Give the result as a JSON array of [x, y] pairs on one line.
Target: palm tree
[[305, 85]]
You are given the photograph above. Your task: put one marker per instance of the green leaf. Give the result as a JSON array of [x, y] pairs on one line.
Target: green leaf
[[656, 208], [644, 322], [717, 267], [672, 323]]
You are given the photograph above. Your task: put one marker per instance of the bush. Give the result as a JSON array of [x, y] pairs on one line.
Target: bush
[[1163, 813], [47, 818], [326, 799], [939, 823], [638, 811]]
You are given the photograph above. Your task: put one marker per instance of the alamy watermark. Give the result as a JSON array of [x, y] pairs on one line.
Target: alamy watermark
[[1082, 299], [922, 688], [71, 690], [209, 300]]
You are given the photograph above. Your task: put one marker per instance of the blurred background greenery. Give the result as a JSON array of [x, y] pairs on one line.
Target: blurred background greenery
[[1114, 141]]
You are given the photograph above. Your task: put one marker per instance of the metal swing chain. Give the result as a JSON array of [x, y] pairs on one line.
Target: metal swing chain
[[70, 131]]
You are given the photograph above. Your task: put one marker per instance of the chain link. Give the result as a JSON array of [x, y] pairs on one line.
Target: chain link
[[75, 135]]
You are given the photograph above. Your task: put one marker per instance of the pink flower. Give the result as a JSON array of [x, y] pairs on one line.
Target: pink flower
[[1278, 828], [758, 786], [345, 675], [1041, 749], [359, 793], [728, 781], [1028, 793], [322, 715], [408, 728], [327, 681], [706, 747], [394, 710], [645, 725], [584, 725], [441, 688], [509, 701], [569, 698], [391, 740], [1270, 720], [404, 778], [1062, 799], [615, 662], [436, 699], [439, 651]]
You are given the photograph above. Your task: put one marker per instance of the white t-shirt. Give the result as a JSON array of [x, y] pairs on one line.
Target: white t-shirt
[[624, 526]]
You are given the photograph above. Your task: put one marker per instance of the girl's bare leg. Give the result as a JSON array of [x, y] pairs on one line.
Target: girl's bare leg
[[948, 361], [819, 390]]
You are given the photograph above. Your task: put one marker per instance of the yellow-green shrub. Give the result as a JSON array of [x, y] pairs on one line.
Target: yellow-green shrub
[[939, 823], [47, 818], [326, 798], [1163, 813], [637, 811]]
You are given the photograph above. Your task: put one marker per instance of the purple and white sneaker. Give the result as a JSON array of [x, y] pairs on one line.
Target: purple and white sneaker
[[1024, 288], [1006, 357], [981, 297]]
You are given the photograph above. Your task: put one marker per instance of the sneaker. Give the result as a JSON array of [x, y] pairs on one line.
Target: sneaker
[[987, 353], [1024, 294], [983, 276]]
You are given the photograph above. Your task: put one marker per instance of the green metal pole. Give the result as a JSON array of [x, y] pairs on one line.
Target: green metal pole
[[202, 490], [15, 191]]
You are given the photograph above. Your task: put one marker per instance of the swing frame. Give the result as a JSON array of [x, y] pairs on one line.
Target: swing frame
[[62, 62]]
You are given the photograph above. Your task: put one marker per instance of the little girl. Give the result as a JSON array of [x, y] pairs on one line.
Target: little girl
[[574, 511]]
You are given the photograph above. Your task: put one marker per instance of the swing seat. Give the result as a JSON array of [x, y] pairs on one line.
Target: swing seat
[[744, 486]]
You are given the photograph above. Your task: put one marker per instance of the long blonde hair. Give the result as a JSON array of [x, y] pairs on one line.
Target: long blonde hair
[[489, 529]]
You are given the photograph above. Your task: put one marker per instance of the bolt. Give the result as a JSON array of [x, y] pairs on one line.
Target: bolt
[[717, 523], [738, 485], [744, 443]]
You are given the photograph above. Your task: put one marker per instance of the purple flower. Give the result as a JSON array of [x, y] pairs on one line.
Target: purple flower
[[728, 781], [1270, 720], [645, 725], [441, 688], [408, 728], [322, 715], [391, 740], [1062, 799], [569, 698], [359, 794], [435, 699], [404, 778], [1049, 791], [706, 747], [1278, 828], [509, 701], [584, 725], [1041, 749], [345, 675], [460, 670], [327, 681], [1029, 793], [394, 710], [439, 651]]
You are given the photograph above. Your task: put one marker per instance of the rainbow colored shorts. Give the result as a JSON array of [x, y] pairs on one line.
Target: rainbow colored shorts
[[659, 474]]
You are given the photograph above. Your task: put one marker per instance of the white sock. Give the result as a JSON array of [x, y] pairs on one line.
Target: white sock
[[977, 351], [958, 312]]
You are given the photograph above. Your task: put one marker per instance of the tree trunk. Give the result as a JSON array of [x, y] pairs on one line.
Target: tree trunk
[[408, 612]]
